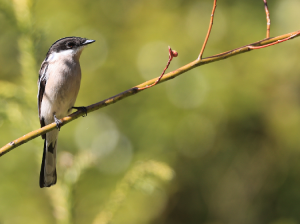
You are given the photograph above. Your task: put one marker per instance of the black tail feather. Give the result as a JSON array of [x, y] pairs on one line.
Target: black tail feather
[[43, 182]]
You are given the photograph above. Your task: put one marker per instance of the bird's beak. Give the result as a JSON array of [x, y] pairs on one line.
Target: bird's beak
[[88, 42]]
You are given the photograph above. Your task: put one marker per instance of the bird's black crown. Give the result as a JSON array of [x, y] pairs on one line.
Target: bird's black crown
[[66, 43]]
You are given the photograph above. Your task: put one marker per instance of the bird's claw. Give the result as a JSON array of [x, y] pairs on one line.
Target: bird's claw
[[84, 109], [58, 122]]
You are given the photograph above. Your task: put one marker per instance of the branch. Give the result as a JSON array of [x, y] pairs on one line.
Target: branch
[[268, 18], [198, 62]]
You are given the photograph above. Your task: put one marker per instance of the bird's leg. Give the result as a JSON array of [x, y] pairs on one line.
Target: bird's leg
[[84, 109], [58, 122]]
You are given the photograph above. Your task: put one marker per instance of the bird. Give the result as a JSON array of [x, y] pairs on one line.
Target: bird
[[58, 87]]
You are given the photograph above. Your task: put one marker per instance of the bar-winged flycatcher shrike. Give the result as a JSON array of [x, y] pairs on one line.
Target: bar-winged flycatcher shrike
[[58, 86]]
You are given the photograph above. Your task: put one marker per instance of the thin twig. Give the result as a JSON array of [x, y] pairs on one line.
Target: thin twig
[[209, 29], [257, 45], [172, 54], [268, 18]]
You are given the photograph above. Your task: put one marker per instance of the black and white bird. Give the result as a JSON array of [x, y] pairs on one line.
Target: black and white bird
[[58, 86]]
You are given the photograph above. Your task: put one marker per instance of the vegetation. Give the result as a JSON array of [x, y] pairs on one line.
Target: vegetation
[[217, 145]]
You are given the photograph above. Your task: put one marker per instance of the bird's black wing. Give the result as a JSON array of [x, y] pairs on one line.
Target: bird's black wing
[[42, 84]]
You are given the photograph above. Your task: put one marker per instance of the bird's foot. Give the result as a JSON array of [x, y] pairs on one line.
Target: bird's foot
[[84, 109]]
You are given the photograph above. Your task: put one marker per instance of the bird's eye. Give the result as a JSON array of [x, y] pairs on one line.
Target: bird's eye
[[70, 45]]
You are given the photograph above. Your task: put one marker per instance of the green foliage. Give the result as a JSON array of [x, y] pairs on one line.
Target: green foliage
[[219, 144]]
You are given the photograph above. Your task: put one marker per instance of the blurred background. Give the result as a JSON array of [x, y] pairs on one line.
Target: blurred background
[[219, 144]]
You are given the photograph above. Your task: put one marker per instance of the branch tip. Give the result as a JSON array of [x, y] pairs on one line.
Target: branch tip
[[276, 42], [268, 18]]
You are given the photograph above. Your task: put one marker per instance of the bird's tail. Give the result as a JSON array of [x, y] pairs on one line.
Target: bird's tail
[[48, 175]]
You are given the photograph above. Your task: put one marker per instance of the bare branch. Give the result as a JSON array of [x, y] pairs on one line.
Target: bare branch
[[209, 29], [139, 88]]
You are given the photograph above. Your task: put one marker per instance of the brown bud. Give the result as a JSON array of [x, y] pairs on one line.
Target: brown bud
[[174, 53]]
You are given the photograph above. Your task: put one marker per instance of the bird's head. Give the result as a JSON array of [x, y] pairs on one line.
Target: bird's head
[[71, 46]]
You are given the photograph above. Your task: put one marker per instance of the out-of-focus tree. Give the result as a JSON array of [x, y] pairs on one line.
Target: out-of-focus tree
[[228, 130]]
